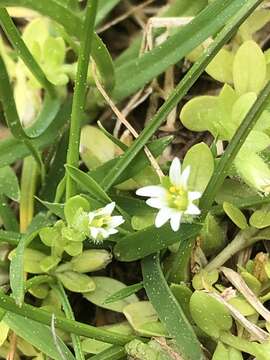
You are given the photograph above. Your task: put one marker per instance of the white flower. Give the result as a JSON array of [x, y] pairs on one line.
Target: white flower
[[102, 224], [172, 197]]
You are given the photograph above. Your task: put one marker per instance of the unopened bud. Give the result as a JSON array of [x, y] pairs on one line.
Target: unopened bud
[[91, 260]]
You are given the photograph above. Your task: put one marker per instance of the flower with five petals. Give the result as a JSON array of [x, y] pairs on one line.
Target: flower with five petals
[[172, 197], [102, 224]]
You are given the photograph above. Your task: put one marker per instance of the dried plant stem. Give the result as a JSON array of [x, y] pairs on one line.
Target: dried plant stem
[[122, 17], [257, 333], [124, 121], [249, 295]]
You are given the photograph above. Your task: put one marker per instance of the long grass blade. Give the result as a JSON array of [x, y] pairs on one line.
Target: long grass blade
[[169, 310], [180, 90]]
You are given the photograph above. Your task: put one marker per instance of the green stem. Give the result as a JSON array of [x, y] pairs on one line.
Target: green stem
[[80, 92], [29, 178], [14, 37], [233, 148], [113, 353], [242, 240], [69, 314], [74, 327], [238, 343], [179, 92]]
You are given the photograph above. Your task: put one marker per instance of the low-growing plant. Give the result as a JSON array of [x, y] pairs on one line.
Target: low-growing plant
[[85, 200]]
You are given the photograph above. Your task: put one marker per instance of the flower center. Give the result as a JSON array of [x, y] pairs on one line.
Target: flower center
[[99, 222], [178, 198]]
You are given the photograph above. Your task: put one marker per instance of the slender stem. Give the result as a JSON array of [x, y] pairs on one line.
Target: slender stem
[[242, 240], [28, 188], [74, 327], [69, 314], [15, 38], [80, 92], [238, 343]]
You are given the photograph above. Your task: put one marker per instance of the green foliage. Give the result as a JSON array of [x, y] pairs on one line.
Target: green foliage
[[235, 215], [106, 287], [213, 323], [89, 216], [201, 162], [222, 115]]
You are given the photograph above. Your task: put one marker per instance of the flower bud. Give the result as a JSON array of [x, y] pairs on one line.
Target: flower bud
[[91, 260], [254, 171]]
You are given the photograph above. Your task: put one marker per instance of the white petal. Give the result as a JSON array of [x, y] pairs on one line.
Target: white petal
[[112, 231], [162, 217], [94, 232], [156, 203], [185, 176], [104, 233], [193, 210], [91, 216], [108, 209], [153, 190], [176, 220], [115, 221], [175, 172], [194, 195]]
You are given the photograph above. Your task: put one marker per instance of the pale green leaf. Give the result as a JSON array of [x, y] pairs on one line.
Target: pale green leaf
[[76, 282], [106, 287], [220, 68], [236, 215], [212, 322], [260, 219], [201, 162], [143, 318], [249, 68]]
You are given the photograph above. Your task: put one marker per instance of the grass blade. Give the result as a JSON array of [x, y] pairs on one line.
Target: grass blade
[[169, 310], [104, 8], [71, 326], [124, 293], [80, 92], [12, 149], [180, 90], [155, 62], [38, 335], [113, 353], [69, 314]]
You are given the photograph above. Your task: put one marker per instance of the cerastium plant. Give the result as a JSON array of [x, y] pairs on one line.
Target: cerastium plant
[[74, 223]]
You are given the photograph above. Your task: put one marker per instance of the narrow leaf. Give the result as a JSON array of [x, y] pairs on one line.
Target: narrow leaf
[[169, 310]]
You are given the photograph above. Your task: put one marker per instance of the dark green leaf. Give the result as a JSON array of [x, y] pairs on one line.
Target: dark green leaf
[[169, 310], [38, 335], [150, 240]]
